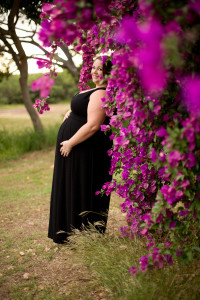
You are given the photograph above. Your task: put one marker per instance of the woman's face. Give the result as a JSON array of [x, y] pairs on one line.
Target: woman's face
[[97, 71]]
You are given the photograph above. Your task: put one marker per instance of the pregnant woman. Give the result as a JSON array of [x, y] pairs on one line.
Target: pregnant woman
[[81, 163]]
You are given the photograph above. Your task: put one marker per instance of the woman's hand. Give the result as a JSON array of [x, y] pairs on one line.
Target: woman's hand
[[66, 148], [67, 115]]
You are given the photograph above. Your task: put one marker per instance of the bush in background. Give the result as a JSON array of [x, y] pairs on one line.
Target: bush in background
[[63, 90]]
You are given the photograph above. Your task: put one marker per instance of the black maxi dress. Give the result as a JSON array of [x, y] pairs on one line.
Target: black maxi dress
[[77, 177]]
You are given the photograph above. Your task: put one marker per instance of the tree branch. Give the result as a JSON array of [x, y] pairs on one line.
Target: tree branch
[[2, 48], [4, 31], [29, 31], [13, 13], [25, 37], [11, 26], [11, 51], [69, 64]]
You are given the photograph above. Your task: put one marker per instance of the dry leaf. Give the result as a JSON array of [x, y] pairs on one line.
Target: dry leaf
[[29, 250], [26, 275], [41, 287], [21, 253]]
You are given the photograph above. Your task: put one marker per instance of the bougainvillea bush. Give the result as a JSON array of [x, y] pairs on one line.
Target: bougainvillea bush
[[153, 100]]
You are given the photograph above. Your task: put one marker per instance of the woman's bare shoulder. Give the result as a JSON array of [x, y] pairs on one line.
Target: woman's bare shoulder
[[98, 93]]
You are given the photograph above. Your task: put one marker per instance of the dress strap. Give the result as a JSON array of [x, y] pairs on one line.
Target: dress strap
[[103, 87], [93, 90], [100, 88]]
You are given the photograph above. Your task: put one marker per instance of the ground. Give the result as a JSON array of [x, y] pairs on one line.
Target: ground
[[32, 266]]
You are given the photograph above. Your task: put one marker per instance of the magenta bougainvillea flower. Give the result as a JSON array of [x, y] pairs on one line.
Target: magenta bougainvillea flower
[[172, 224], [173, 158], [195, 5], [41, 106], [148, 55], [191, 95], [43, 84]]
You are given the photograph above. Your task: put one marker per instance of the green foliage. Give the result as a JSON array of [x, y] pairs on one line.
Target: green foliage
[[14, 144], [63, 90]]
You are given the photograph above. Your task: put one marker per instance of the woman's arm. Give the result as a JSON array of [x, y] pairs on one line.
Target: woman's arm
[[67, 115], [95, 117]]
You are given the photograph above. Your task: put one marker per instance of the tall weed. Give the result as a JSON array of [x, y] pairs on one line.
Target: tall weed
[[111, 256], [13, 144]]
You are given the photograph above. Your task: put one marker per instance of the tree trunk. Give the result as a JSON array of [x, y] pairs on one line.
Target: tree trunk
[[25, 92], [28, 103], [26, 95], [22, 63]]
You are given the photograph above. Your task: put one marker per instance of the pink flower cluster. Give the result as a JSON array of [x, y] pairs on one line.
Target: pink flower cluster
[[43, 84], [147, 53], [191, 95], [41, 106]]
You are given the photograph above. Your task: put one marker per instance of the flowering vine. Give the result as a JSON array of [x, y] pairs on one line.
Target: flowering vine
[[152, 99]]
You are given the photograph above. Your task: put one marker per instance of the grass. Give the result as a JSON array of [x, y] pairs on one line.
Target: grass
[[111, 256], [9, 106], [12, 146], [14, 118], [17, 135], [93, 266], [31, 265]]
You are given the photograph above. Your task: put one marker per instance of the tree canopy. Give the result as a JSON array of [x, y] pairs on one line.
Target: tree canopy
[[31, 9]]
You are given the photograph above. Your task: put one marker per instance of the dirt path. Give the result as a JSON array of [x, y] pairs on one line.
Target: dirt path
[[32, 266]]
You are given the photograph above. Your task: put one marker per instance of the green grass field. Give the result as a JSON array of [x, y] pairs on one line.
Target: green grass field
[[17, 135], [91, 267]]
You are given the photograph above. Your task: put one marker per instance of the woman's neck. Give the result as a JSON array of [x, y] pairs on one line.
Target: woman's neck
[[102, 85]]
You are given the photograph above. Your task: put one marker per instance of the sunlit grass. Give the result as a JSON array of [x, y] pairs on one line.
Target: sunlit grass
[[9, 106], [17, 135], [15, 118], [14, 144]]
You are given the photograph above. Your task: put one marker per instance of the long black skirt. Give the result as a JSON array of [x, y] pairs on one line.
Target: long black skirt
[[76, 178]]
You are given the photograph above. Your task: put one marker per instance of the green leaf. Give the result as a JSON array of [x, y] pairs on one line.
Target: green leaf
[[196, 248], [151, 106], [189, 255]]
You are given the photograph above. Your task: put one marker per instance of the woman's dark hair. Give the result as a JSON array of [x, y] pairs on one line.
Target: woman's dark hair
[[107, 66]]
